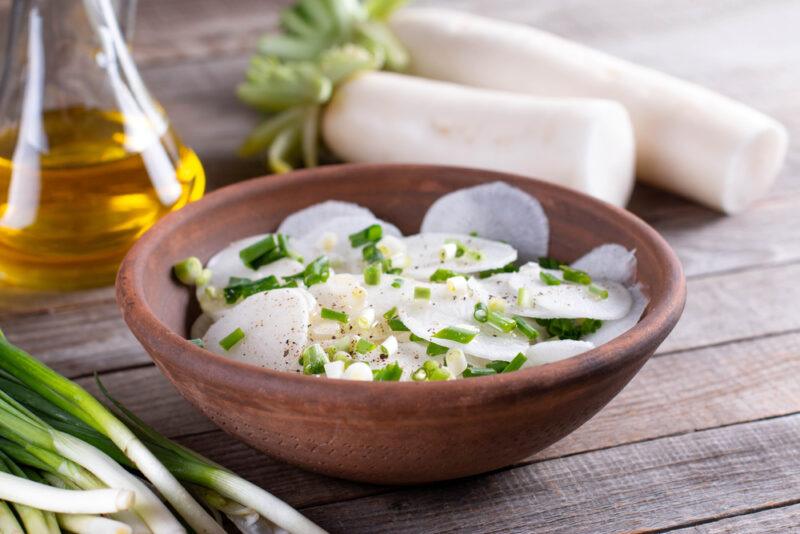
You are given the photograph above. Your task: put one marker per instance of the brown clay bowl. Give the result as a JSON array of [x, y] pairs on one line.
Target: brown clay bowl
[[389, 433]]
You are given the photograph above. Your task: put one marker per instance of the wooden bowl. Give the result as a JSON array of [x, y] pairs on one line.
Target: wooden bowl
[[389, 433]]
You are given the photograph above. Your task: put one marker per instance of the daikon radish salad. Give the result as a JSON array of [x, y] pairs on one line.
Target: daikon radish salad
[[336, 292]]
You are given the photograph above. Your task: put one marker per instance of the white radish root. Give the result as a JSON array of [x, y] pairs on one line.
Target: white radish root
[[383, 117]]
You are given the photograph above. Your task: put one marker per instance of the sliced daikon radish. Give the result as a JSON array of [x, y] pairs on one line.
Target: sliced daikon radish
[[425, 319], [480, 254], [275, 326], [689, 140], [226, 264], [556, 350], [494, 211], [584, 144], [567, 300], [612, 329], [332, 239], [341, 292], [301, 222], [609, 262]]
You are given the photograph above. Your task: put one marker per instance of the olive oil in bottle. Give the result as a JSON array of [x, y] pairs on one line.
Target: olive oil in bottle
[[88, 160], [69, 214]]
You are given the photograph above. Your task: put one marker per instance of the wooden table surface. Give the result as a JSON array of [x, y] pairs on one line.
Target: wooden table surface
[[706, 438]]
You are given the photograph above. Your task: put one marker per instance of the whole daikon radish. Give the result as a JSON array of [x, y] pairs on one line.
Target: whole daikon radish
[[580, 143], [689, 140]]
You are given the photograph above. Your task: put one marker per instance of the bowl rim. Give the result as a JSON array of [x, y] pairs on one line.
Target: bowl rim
[[602, 360]]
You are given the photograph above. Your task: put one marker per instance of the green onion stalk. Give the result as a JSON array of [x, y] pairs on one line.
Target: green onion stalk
[[73, 399], [321, 44], [47, 424]]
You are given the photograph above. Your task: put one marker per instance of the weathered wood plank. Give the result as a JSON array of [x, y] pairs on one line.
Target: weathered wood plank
[[645, 486], [737, 305], [77, 339], [775, 520]]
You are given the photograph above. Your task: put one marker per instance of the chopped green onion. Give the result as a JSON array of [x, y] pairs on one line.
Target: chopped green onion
[[363, 346], [270, 249], [372, 274], [570, 328], [481, 313], [435, 349], [549, 263], [441, 275], [575, 275], [460, 334], [422, 293], [231, 339], [314, 360], [397, 283], [397, 325], [496, 304], [371, 254], [526, 329], [316, 272], [473, 233], [473, 372], [600, 292], [549, 279], [435, 372], [415, 338], [500, 321], [188, 270], [515, 364], [420, 375], [508, 268], [240, 290], [391, 373], [334, 315], [199, 342], [370, 234], [498, 366]]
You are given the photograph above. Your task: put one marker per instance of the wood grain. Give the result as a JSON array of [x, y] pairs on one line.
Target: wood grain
[[772, 521], [642, 487]]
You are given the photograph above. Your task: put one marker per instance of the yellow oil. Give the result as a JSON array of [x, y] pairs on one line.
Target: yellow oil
[[95, 199]]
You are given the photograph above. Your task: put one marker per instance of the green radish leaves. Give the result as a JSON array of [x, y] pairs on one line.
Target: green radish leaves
[[321, 44]]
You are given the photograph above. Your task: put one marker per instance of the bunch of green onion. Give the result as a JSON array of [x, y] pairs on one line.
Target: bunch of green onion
[[68, 462], [321, 44]]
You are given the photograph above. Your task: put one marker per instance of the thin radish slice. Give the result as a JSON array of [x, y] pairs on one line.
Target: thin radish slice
[[482, 254], [426, 318], [567, 300], [275, 326], [609, 262], [332, 239], [227, 263], [495, 211], [612, 329], [554, 351], [307, 219]]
